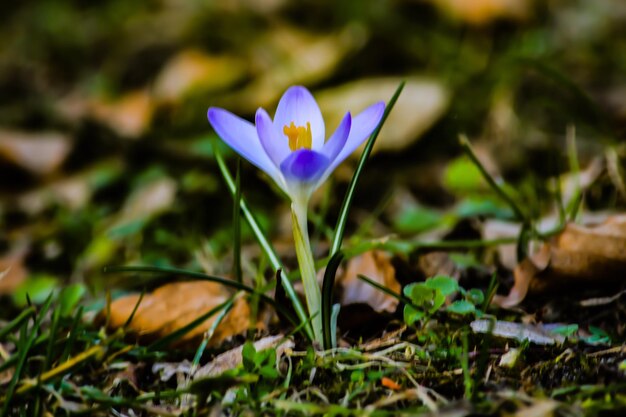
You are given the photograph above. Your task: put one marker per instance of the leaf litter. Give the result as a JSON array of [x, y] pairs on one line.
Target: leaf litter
[[85, 196]]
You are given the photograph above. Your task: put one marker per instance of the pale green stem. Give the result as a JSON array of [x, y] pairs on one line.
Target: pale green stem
[[312, 290]]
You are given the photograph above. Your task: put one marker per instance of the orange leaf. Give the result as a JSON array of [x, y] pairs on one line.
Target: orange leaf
[[175, 305]]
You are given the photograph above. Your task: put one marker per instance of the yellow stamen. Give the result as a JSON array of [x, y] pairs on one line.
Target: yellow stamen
[[299, 136]]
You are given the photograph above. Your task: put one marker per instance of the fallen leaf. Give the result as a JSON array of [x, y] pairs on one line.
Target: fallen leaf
[[13, 272], [578, 256], [39, 153], [175, 305], [481, 12], [129, 116], [376, 266], [73, 192], [542, 408], [421, 104], [193, 69], [279, 67], [147, 201]]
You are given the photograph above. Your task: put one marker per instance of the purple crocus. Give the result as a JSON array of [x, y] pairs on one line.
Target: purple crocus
[[293, 151], [292, 148]]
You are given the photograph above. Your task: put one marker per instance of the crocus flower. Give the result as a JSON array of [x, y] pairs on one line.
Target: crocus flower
[[293, 151], [292, 148]]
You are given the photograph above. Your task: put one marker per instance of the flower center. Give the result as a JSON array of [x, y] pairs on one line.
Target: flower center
[[299, 136]]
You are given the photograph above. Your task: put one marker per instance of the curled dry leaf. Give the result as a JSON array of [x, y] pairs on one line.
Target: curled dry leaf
[[578, 256], [39, 153], [376, 266], [175, 305]]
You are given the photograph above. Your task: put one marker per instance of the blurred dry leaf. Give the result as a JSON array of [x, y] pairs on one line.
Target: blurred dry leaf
[[12, 269], [193, 69], [39, 153], [148, 200], [376, 266], [541, 408], [175, 305], [129, 116], [288, 56], [481, 12], [7, 375], [71, 192], [587, 256], [420, 105]]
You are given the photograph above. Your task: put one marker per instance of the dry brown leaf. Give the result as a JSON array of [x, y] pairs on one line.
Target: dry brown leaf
[[72, 192], [541, 408], [192, 69], [175, 305], [129, 116], [273, 54], [12, 269], [40, 153], [420, 105], [578, 256], [376, 266], [150, 199], [481, 12]]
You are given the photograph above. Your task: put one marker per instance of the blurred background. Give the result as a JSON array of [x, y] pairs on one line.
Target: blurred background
[[106, 156]]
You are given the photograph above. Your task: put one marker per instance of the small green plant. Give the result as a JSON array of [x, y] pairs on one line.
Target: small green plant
[[428, 297], [261, 363]]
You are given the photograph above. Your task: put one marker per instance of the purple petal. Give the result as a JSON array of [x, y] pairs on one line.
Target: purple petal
[[297, 105], [304, 165], [241, 135], [362, 127], [276, 147], [338, 140]]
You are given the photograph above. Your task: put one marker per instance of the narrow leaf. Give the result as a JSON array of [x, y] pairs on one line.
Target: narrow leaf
[[347, 201]]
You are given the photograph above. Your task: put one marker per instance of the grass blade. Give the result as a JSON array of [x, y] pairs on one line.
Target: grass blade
[[495, 184], [327, 297], [15, 323], [263, 242], [347, 201], [22, 353], [237, 225]]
